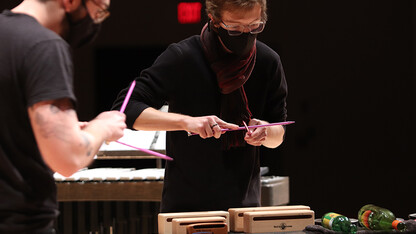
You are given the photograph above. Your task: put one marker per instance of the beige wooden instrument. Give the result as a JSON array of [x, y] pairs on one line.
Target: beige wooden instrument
[[277, 221], [179, 224], [213, 228], [237, 214], [165, 219]]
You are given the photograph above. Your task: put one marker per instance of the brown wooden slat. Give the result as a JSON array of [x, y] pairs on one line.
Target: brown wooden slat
[[67, 210], [110, 191]]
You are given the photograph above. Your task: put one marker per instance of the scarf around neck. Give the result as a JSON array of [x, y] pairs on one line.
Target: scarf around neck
[[232, 72]]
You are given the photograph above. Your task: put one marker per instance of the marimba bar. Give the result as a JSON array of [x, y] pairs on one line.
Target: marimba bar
[[109, 200]]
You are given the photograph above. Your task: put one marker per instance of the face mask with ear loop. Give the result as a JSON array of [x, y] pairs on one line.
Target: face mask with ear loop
[[239, 45]]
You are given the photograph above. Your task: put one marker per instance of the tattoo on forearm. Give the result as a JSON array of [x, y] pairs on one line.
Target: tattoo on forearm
[[54, 109], [51, 124], [50, 129], [87, 144]]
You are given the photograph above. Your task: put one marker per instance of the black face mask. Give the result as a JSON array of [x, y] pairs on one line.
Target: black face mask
[[239, 45], [82, 32]]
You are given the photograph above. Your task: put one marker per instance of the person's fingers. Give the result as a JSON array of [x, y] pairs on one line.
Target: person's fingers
[[224, 125], [216, 130], [257, 137], [214, 125], [203, 133], [255, 142], [206, 130]]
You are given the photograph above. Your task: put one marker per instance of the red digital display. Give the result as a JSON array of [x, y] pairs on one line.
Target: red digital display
[[189, 12]]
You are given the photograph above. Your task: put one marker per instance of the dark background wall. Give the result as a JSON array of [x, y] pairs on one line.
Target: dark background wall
[[351, 73]]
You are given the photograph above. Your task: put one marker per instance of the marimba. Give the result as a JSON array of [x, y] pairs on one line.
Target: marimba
[[114, 200]]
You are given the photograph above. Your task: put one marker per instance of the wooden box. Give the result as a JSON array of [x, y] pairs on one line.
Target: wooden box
[[165, 219], [179, 224], [237, 214], [212, 228], [277, 221]]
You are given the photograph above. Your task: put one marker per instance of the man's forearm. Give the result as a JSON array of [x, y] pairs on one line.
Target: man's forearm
[[154, 120]]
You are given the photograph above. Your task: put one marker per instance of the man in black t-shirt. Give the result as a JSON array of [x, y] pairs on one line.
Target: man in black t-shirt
[[39, 130]]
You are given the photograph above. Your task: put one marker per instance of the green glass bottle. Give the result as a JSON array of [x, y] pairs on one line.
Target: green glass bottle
[[338, 223], [376, 218]]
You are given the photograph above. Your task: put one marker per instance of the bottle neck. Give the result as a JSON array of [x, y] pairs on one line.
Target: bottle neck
[[398, 225]]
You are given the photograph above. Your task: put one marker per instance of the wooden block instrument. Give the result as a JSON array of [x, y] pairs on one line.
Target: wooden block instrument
[[212, 228], [165, 219], [179, 225], [277, 221], [237, 214]]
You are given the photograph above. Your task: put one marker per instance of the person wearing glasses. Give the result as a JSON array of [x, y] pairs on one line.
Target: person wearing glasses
[[221, 79], [39, 130]]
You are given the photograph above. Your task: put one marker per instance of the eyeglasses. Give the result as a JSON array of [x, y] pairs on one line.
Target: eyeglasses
[[101, 13], [236, 30]]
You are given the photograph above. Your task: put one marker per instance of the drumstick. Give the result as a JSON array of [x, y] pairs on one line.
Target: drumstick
[[245, 125], [126, 99], [147, 151], [259, 126], [252, 126], [123, 107]]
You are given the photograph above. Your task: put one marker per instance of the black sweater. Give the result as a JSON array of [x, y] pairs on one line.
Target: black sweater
[[202, 175]]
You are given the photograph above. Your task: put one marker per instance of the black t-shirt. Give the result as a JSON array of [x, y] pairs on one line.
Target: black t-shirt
[[202, 176], [35, 65]]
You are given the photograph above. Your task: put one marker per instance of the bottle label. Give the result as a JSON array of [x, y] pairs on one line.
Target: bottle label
[[364, 218], [328, 219]]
